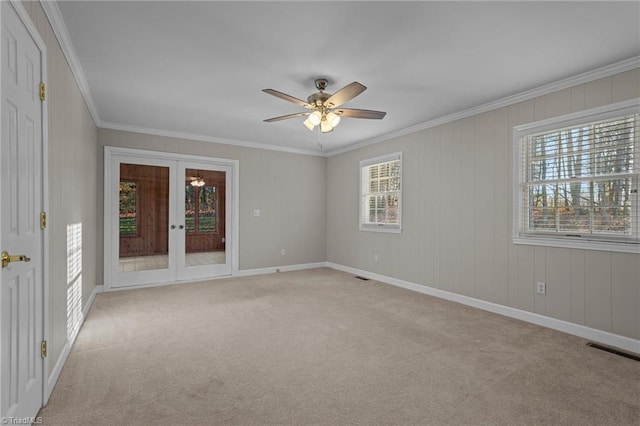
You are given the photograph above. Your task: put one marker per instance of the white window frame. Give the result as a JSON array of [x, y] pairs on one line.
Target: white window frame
[[520, 236], [379, 227]]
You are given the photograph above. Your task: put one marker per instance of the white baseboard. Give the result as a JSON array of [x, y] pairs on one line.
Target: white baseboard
[[274, 269], [66, 349], [55, 373], [240, 273], [600, 336], [166, 283], [96, 290]]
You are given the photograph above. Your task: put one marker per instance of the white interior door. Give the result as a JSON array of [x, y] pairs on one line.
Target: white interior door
[[21, 291]]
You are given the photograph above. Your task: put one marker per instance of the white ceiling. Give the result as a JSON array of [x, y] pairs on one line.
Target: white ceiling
[[198, 68]]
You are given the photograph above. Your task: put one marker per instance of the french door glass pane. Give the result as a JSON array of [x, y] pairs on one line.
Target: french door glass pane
[[143, 217], [204, 209]]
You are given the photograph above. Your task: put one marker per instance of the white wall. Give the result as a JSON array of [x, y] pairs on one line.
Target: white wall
[[457, 204], [288, 189], [73, 157]]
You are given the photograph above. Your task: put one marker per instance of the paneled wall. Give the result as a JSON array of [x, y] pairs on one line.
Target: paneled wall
[[288, 189], [73, 208], [457, 219]]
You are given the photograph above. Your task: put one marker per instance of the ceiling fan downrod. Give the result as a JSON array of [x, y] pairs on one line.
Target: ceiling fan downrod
[[321, 83]]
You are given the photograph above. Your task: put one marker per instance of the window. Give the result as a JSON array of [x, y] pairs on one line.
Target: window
[[200, 209], [128, 207], [381, 194], [578, 180]]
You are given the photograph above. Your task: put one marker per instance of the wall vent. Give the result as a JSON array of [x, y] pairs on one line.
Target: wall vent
[[614, 351]]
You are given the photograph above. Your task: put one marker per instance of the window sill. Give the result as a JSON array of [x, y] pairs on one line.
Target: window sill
[[387, 229], [579, 244]]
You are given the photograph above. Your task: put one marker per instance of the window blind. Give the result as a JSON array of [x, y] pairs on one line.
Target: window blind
[[380, 205], [581, 181]]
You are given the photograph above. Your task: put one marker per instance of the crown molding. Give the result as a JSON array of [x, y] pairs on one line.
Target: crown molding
[[54, 16], [586, 77], [203, 138]]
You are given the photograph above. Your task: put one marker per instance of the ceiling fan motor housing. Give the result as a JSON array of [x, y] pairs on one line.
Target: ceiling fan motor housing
[[317, 99]]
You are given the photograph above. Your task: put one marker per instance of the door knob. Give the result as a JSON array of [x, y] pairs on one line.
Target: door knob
[[7, 258], [173, 227], [181, 226]]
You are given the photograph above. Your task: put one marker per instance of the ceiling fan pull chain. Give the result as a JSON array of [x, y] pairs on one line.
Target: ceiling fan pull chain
[[320, 139]]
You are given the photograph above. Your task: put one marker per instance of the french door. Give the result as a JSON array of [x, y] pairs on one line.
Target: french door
[[167, 219]]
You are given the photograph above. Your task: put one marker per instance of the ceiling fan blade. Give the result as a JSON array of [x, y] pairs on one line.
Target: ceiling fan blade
[[285, 117], [287, 98], [345, 94], [360, 113]]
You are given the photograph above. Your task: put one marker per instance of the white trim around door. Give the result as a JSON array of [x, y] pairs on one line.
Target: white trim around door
[[113, 156]]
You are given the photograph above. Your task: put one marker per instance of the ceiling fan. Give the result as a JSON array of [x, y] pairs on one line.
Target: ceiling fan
[[324, 108]]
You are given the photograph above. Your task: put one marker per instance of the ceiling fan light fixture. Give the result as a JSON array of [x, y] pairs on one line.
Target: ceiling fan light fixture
[[308, 124], [333, 119], [325, 126], [315, 117], [197, 182]]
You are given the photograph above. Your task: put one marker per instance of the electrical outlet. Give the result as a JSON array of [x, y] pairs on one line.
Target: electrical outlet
[[376, 258], [541, 288], [256, 212], [283, 252]]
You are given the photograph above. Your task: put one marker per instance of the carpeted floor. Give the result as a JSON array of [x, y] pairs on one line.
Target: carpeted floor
[[321, 347]]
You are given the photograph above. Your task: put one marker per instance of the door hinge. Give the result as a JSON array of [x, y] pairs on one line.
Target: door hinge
[[43, 220], [43, 349], [43, 92]]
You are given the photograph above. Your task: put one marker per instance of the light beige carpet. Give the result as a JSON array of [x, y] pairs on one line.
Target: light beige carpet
[[321, 347]]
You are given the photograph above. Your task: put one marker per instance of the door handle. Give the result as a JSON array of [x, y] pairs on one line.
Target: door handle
[[173, 227], [7, 258], [181, 226]]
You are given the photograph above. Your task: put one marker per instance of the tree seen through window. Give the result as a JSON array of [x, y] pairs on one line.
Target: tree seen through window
[[200, 209]]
